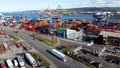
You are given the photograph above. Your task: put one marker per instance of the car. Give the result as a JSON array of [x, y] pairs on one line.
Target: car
[[3, 65], [15, 62], [16, 31], [33, 38]]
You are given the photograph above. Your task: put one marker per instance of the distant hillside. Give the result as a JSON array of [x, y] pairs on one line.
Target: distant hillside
[[85, 9], [93, 9]]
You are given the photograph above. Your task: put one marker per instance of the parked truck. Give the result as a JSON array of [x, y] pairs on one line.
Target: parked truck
[[59, 54], [31, 60], [9, 63]]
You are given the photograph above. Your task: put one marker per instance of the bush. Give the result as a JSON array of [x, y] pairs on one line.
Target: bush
[[13, 42], [41, 59], [66, 50]]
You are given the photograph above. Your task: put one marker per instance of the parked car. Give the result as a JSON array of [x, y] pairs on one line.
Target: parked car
[[3, 65]]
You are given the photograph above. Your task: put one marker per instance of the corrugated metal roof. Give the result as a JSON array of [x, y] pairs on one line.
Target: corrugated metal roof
[[112, 34]]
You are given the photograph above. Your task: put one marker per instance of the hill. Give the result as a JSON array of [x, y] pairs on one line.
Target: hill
[[94, 9]]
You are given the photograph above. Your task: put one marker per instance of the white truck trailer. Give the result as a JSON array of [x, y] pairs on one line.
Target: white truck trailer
[[9, 63], [59, 54], [31, 60]]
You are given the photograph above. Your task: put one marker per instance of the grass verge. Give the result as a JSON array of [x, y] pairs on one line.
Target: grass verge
[[1, 48], [41, 59], [14, 37], [49, 41]]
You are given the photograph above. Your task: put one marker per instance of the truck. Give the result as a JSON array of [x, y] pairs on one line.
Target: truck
[[9, 63], [59, 55], [20, 61], [31, 60]]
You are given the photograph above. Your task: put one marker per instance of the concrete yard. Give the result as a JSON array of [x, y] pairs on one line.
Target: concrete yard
[[13, 52]]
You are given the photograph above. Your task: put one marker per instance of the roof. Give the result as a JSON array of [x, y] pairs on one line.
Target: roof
[[30, 58], [112, 34], [58, 52]]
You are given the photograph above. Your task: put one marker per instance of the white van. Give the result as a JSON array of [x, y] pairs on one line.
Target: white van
[[20, 61], [9, 63], [15, 62]]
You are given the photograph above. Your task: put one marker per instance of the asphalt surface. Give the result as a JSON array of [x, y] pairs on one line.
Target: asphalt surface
[[41, 47]]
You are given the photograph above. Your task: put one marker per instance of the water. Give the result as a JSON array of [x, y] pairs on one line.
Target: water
[[81, 16], [36, 16], [23, 14]]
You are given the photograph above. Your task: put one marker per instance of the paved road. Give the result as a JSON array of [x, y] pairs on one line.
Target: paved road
[[41, 47]]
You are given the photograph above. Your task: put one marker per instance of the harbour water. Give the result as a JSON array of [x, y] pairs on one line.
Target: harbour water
[[36, 16]]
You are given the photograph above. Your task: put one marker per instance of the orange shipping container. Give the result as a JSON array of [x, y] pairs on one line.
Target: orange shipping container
[[43, 23]]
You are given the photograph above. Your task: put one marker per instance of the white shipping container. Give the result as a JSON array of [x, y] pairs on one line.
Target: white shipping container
[[71, 34]]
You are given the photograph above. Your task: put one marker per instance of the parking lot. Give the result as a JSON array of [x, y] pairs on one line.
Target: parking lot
[[12, 53]]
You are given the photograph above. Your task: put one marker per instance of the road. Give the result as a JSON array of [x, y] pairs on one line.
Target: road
[[41, 48]]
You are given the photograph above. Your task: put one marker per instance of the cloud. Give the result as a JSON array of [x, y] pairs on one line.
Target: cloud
[[94, 3], [108, 3]]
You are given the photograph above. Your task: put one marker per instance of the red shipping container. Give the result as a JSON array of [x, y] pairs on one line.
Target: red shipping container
[[5, 46], [19, 45], [90, 28]]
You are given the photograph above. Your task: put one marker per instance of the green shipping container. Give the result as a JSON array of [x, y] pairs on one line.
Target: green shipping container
[[61, 30]]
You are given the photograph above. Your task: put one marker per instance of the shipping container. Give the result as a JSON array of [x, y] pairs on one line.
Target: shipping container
[[71, 34], [61, 32], [19, 45], [5, 46]]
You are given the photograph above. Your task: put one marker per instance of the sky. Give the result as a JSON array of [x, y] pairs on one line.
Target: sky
[[23, 5]]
